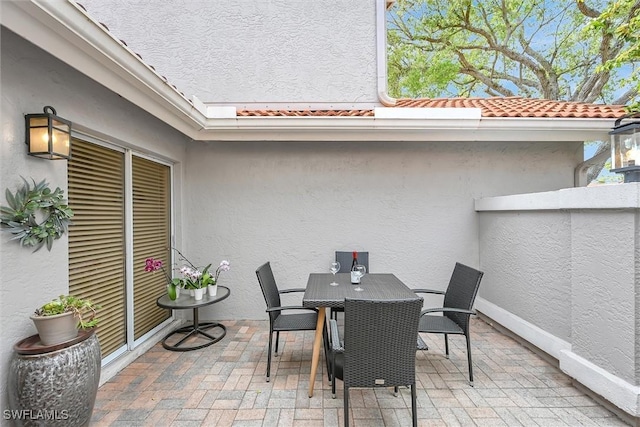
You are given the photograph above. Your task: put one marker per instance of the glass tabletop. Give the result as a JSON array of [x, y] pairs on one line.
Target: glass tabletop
[[185, 301]]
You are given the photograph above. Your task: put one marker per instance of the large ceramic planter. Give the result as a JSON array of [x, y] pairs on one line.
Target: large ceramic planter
[[56, 329], [54, 386]]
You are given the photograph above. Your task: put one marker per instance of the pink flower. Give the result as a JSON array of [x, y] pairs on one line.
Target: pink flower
[[152, 265]]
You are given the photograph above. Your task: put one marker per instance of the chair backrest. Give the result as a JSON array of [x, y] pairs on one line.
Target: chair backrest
[[345, 259], [380, 342], [461, 292], [269, 288]]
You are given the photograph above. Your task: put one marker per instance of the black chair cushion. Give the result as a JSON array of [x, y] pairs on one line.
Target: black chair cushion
[[439, 325], [295, 322]]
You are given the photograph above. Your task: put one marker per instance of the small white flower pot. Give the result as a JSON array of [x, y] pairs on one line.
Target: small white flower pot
[[213, 290], [198, 293]]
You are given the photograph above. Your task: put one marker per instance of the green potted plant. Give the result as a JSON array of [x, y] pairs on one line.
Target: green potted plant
[[59, 320]]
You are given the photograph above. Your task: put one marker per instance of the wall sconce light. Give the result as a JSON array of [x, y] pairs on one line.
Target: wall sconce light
[[48, 136], [625, 148]]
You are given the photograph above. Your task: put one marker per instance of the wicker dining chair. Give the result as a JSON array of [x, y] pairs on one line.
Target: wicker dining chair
[[379, 347], [279, 321], [345, 259], [457, 308]]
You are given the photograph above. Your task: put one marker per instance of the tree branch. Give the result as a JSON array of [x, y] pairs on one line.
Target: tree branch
[[491, 84], [626, 97], [586, 10]]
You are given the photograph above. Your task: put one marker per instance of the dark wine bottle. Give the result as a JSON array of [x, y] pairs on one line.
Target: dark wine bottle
[[355, 261]]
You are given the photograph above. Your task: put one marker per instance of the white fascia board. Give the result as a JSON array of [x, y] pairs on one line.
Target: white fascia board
[[67, 32], [428, 113], [549, 123], [543, 129], [288, 128]]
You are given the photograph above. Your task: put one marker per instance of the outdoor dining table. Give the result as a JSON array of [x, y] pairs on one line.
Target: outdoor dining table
[[320, 294]]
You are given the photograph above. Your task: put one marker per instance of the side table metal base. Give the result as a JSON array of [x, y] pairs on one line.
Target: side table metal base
[[193, 331]]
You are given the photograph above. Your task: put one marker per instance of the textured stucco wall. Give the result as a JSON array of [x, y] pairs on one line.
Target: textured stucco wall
[[32, 79], [409, 204], [567, 263], [604, 290], [526, 257], [253, 51]]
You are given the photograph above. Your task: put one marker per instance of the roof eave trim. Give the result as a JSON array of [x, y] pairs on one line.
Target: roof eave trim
[[287, 128]]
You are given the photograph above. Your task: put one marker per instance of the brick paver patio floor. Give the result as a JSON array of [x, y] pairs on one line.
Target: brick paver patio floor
[[224, 385]]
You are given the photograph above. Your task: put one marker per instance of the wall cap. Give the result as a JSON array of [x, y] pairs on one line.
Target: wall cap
[[615, 196]]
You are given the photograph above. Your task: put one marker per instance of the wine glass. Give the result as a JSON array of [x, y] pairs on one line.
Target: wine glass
[[358, 270], [335, 267]]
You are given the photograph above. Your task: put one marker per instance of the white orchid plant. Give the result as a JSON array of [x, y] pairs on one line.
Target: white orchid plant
[[192, 276]]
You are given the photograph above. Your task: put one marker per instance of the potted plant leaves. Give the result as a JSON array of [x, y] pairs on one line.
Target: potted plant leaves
[[59, 320]]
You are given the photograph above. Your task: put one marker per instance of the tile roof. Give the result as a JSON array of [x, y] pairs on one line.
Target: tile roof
[[514, 107]]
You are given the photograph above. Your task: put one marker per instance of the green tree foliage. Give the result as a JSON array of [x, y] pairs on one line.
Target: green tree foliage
[[621, 20], [534, 48]]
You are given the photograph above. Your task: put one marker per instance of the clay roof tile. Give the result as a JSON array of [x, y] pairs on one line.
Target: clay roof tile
[[509, 107]]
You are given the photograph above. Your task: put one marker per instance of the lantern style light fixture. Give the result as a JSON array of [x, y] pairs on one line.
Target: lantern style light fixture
[[48, 136], [625, 148]]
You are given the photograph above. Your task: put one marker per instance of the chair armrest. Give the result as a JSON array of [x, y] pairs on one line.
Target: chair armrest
[[288, 291], [428, 291], [291, 307], [447, 309], [336, 345]]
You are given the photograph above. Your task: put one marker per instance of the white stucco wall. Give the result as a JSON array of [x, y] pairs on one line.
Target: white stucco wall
[[31, 79], [604, 289], [562, 271], [409, 204], [539, 243], [253, 51]]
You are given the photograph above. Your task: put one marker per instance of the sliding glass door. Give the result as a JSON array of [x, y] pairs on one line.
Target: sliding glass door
[[122, 215]]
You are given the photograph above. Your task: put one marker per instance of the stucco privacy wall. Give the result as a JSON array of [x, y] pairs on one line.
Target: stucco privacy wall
[[562, 271], [31, 79], [253, 51], [295, 203], [539, 243]]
